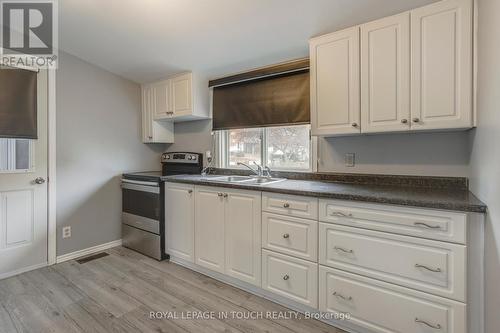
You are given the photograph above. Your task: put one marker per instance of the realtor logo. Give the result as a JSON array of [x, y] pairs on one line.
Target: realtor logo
[[29, 32]]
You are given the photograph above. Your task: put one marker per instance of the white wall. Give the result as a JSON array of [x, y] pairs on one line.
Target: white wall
[[485, 140], [431, 154], [98, 138]]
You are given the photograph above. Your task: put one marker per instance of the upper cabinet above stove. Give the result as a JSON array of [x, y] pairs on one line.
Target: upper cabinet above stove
[[183, 97], [408, 72]]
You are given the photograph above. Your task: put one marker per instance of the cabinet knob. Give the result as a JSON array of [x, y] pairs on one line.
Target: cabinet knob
[[190, 191], [150, 137], [286, 277], [354, 124], [225, 195], [286, 236], [416, 120], [220, 194], [286, 205], [404, 121]]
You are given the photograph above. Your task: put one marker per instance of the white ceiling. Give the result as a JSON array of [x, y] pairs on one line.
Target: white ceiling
[[144, 40]]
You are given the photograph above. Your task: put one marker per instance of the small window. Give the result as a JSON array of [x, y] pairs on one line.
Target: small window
[[15, 155], [285, 148]]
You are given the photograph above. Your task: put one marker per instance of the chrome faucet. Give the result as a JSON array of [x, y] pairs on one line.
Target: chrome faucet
[[258, 172]]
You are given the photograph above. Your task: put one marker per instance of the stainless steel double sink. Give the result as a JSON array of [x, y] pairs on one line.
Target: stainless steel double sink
[[247, 180]]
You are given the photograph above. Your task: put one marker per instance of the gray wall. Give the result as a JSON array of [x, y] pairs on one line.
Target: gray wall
[[438, 154], [485, 166], [98, 138]]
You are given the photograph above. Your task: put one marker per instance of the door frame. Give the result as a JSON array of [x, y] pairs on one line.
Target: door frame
[[51, 168]]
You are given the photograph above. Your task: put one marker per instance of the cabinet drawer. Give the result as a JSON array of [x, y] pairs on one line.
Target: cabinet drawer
[[290, 235], [292, 205], [382, 307], [290, 277], [425, 223], [430, 266]]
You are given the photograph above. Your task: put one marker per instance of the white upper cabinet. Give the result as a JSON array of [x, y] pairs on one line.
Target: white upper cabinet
[[162, 105], [182, 101], [441, 42], [153, 131], [334, 69], [183, 97], [385, 74], [408, 72]]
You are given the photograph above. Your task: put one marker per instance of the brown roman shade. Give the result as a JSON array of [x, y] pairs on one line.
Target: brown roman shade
[[277, 98], [18, 104]]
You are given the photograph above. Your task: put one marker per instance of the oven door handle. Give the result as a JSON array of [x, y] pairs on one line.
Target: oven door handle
[[142, 188], [139, 182]]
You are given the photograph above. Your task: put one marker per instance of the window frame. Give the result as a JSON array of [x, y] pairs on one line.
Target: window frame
[[8, 147], [222, 156]]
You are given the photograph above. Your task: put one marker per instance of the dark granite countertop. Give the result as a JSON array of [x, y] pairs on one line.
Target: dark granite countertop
[[439, 198]]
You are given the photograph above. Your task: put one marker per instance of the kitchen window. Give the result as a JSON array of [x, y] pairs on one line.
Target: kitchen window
[[285, 148]]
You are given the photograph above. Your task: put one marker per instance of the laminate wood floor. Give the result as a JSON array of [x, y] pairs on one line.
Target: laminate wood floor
[[116, 293]]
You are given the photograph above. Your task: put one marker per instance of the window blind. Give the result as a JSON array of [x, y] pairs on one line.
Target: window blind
[[18, 103], [273, 100]]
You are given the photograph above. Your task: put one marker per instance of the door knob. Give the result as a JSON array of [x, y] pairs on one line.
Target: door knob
[[39, 180]]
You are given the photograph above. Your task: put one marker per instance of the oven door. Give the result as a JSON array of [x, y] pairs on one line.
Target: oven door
[[142, 200]]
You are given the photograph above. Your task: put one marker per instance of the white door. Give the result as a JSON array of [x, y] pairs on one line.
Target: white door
[[335, 93], [23, 202], [179, 220], [441, 37], [209, 228], [385, 74], [181, 95], [243, 235]]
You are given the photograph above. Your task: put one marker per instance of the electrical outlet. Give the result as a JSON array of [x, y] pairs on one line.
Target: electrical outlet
[[66, 232], [349, 160]]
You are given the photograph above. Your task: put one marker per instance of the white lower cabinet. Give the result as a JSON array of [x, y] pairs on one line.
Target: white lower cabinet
[[290, 277], [179, 220], [430, 266], [243, 235], [382, 307], [209, 228], [228, 232], [393, 269]]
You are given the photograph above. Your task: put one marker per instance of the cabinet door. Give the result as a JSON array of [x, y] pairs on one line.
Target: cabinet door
[[179, 220], [441, 42], [161, 100], [385, 74], [335, 96], [181, 95], [209, 228], [147, 117], [243, 235]]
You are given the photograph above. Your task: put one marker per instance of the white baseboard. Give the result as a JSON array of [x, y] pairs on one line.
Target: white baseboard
[[88, 251], [22, 270]]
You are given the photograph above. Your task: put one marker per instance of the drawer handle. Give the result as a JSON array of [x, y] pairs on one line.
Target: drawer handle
[[286, 205], [286, 236], [338, 248], [437, 270], [340, 214], [336, 294], [420, 321], [286, 277], [427, 225]]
